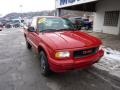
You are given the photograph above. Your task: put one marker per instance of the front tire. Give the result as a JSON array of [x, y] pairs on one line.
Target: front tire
[[28, 45], [45, 70]]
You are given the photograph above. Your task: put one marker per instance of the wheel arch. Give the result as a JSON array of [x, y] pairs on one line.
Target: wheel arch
[[42, 48], [25, 35]]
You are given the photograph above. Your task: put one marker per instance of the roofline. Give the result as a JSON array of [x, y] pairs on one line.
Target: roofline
[[45, 16]]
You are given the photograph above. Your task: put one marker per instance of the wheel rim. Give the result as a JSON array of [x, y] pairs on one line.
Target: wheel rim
[[42, 63]]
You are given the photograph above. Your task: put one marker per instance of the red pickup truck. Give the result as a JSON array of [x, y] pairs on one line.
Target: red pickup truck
[[60, 46]]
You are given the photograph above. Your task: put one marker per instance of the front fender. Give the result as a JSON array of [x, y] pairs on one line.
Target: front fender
[[48, 50]]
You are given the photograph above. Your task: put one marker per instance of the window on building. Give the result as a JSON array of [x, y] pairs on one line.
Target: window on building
[[111, 18]]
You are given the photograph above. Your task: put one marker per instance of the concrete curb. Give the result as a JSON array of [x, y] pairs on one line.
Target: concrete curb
[[106, 76]]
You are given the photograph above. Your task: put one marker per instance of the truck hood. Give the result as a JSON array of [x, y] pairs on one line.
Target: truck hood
[[70, 39]]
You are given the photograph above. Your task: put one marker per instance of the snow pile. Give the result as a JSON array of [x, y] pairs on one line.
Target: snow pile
[[110, 60], [112, 54]]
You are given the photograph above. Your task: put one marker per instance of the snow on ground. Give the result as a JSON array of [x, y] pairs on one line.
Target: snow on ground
[[110, 60], [112, 54]]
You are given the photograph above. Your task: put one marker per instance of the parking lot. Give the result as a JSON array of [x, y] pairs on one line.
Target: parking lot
[[20, 70]]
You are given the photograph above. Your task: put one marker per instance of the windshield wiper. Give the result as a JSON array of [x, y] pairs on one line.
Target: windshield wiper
[[66, 29], [48, 30], [55, 30]]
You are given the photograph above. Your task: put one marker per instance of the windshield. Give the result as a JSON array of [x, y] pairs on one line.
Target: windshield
[[54, 24]]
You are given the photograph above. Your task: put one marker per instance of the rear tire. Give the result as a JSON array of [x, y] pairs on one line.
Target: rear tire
[[45, 70]]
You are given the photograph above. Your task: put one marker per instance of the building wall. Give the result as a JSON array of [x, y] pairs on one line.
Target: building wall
[[74, 13], [101, 7], [66, 3]]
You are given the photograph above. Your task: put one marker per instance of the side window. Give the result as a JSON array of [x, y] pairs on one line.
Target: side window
[[34, 23]]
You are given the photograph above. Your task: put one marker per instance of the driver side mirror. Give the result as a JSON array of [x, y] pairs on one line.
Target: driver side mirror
[[31, 29]]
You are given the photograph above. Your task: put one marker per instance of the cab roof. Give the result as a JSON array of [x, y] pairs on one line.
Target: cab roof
[[45, 17]]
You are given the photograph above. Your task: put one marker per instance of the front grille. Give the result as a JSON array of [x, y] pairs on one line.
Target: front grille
[[84, 53]]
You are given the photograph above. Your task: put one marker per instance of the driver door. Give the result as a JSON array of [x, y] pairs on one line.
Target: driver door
[[34, 36]]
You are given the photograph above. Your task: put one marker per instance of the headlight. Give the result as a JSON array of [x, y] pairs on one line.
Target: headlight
[[62, 54]]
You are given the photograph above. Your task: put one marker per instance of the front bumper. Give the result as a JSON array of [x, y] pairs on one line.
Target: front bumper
[[73, 64]]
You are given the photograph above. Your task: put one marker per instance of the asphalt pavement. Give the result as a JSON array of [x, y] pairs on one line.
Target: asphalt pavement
[[20, 69]]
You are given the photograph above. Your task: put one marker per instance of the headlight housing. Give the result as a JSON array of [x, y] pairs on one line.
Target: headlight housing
[[65, 54]]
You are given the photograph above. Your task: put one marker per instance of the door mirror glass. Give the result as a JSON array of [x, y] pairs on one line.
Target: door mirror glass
[[31, 29]]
